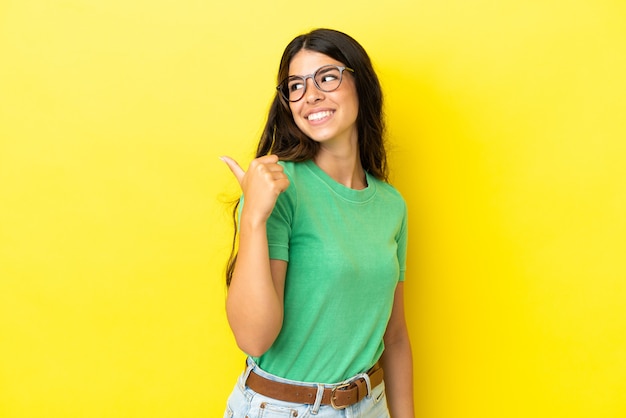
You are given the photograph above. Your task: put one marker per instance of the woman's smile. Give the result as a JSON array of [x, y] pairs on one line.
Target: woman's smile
[[320, 116]]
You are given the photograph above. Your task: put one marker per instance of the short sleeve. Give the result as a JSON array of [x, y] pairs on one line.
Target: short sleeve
[[279, 225], [402, 240]]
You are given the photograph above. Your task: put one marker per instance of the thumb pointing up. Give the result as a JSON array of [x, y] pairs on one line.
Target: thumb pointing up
[[235, 168]]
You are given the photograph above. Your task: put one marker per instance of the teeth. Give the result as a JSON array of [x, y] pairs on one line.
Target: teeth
[[319, 115]]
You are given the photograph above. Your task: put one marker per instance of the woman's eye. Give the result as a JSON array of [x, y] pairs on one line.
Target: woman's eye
[[328, 78], [296, 85]]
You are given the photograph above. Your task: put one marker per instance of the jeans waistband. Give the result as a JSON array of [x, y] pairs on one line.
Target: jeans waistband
[[339, 395]]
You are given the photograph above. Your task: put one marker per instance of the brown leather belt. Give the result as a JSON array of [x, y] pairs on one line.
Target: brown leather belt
[[339, 397]]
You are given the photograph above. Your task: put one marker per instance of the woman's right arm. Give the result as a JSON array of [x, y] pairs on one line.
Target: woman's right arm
[[254, 305]]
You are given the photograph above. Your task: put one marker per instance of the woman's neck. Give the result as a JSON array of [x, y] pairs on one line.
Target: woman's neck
[[343, 167]]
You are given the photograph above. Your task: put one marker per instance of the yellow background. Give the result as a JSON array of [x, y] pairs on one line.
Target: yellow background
[[507, 137]]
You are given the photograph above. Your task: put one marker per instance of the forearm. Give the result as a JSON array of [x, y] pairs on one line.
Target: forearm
[[254, 304], [397, 362]]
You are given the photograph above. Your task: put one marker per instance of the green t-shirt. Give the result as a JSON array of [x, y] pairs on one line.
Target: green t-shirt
[[346, 252]]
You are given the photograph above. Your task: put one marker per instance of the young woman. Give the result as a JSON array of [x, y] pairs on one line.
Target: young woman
[[315, 294]]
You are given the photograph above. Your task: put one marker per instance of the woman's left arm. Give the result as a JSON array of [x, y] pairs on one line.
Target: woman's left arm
[[397, 361]]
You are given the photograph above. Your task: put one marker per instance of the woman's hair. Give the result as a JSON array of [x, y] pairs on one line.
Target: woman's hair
[[281, 135]]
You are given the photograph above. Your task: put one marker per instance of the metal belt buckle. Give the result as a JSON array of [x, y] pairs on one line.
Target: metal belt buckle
[[333, 397]]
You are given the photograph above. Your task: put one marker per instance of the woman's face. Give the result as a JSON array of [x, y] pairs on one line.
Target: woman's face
[[325, 117]]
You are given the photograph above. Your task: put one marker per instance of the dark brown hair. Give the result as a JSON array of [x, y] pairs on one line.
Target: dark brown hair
[[282, 137]]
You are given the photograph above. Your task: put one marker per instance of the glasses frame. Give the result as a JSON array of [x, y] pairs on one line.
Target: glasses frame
[[304, 78]]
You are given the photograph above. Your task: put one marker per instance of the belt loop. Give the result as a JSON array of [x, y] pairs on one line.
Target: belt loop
[[249, 366], [366, 377], [318, 399]]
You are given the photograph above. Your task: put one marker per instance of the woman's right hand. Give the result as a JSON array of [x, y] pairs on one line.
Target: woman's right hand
[[264, 181]]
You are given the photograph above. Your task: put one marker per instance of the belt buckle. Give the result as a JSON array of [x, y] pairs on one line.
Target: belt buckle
[[333, 397]]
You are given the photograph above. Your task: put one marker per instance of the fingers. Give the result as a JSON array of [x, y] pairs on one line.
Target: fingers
[[234, 167], [268, 167], [282, 183]]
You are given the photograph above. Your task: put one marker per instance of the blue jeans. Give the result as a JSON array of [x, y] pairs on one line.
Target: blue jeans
[[245, 403]]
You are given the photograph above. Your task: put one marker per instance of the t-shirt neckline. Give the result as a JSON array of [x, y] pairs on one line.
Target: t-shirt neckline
[[347, 193]]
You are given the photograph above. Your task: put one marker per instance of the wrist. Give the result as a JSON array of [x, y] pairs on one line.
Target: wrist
[[251, 221]]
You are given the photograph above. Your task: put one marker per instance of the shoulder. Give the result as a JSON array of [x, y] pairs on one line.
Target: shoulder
[[291, 167], [387, 190], [296, 171]]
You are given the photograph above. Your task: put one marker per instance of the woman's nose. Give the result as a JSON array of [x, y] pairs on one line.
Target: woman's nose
[[312, 93]]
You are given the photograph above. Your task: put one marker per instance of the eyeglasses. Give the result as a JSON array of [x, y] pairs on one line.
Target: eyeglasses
[[326, 78]]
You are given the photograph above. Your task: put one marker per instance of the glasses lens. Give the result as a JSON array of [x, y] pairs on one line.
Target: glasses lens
[[293, 89], [328, 78]]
